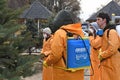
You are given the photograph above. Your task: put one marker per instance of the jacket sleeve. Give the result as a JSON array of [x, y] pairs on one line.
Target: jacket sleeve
[[113, 44], [95, 42], [57, 47], [42, 50]]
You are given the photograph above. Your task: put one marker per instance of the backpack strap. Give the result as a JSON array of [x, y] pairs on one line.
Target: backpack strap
[[119, 49], [108, 33], [69, 35], [113, 26]]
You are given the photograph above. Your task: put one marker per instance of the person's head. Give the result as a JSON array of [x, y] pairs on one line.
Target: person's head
[[103, 19], [63, 17], [46, 32]]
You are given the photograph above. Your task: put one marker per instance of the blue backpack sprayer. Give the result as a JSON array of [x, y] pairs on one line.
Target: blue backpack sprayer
[[78, 53]]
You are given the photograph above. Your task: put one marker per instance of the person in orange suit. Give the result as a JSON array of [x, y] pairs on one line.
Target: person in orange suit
[[95, 42], [46, 50], [57, 58], [109, 55]]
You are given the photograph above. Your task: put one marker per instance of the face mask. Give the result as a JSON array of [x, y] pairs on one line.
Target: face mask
[[44, 36]]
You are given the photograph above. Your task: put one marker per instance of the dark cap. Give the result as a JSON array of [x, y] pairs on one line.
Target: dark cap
[[63, 17]]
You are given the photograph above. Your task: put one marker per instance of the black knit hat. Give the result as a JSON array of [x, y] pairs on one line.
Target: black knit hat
[[63, 17]]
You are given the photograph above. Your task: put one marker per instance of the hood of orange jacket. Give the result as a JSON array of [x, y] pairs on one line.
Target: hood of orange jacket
[[74, 28]]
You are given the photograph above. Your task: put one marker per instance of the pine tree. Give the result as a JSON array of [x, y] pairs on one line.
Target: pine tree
[[14, 39]]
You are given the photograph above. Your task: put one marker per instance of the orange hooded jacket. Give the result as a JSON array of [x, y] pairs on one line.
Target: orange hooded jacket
[[58, 52], [110, 65], [46, 72]]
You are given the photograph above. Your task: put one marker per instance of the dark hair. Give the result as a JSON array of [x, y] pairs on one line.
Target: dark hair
[[104, 16], [63, 17]]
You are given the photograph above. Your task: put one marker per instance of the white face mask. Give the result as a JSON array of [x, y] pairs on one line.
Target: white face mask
[[44, 36]]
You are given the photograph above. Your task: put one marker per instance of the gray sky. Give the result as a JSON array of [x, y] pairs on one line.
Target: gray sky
[[90, 6]]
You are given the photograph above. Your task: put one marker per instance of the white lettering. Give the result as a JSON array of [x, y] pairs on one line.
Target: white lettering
[[81, 56], [80, 50]]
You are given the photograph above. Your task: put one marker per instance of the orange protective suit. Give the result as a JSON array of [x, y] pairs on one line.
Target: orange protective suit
[[46, 73], [95, 46], [110, 65], [58, 54]]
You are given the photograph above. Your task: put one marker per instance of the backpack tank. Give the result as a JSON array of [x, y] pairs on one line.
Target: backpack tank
[[78, 53]]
